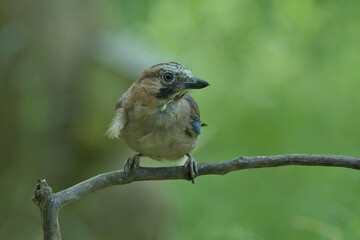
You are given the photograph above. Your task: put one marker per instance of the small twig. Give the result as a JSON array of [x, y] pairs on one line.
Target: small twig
[[50, 203]]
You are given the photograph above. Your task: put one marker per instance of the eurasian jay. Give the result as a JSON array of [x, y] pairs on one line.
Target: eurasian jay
[[157, 117]]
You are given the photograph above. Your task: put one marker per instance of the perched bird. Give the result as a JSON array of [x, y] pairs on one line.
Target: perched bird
[[157, 117]]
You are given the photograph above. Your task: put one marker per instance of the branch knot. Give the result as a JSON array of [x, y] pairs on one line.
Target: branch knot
[[41, 193]]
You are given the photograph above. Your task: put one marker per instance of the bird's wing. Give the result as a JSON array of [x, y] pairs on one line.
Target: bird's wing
[[194, 128], [119, 121]]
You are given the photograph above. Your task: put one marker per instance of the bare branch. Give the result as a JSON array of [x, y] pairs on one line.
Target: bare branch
[[50, 203]]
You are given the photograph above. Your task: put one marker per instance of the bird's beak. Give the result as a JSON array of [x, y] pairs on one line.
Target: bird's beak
[[194, 83]]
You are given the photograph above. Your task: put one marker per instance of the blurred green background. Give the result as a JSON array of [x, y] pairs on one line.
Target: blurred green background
[[285, 78]]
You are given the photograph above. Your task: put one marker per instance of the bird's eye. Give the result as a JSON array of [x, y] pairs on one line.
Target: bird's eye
[[168, 77]]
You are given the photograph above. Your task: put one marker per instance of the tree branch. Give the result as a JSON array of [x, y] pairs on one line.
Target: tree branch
[[50, 203]]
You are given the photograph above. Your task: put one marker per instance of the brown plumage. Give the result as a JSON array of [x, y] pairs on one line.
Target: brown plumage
[[157, 117]]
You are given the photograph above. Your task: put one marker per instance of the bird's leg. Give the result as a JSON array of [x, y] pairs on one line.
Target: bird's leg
[[191, 168], [132, 163]]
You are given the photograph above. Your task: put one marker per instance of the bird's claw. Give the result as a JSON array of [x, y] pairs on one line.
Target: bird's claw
[[191, 168], [132, 163]]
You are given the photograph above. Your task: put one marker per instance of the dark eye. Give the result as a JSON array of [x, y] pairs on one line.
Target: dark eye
[[168, 77]]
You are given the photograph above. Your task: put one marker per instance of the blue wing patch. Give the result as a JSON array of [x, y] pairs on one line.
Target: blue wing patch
[[196, 125]]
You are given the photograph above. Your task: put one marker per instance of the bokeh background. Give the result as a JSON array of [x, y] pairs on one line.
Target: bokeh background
[[285, 78]]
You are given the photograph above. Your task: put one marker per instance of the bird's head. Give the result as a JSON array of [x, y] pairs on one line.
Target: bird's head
[[170, 80]]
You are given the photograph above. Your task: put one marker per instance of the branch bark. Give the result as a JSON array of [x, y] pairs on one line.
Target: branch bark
[[50, 203]]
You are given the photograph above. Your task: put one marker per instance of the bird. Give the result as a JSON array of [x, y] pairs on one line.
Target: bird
[[157, 118]]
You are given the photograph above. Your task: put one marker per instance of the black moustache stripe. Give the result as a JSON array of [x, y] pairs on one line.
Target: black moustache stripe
[[165, 92]]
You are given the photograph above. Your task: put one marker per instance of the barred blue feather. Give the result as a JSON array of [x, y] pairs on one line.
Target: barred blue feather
[[196, 125]]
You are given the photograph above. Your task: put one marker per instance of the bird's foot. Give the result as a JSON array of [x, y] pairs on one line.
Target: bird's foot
[[191, 168], [132, 163]]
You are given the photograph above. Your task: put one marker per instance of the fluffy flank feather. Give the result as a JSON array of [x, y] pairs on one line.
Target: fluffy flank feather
[[116, 124]]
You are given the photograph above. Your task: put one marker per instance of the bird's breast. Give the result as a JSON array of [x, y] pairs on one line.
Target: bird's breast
[[159, 132]]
